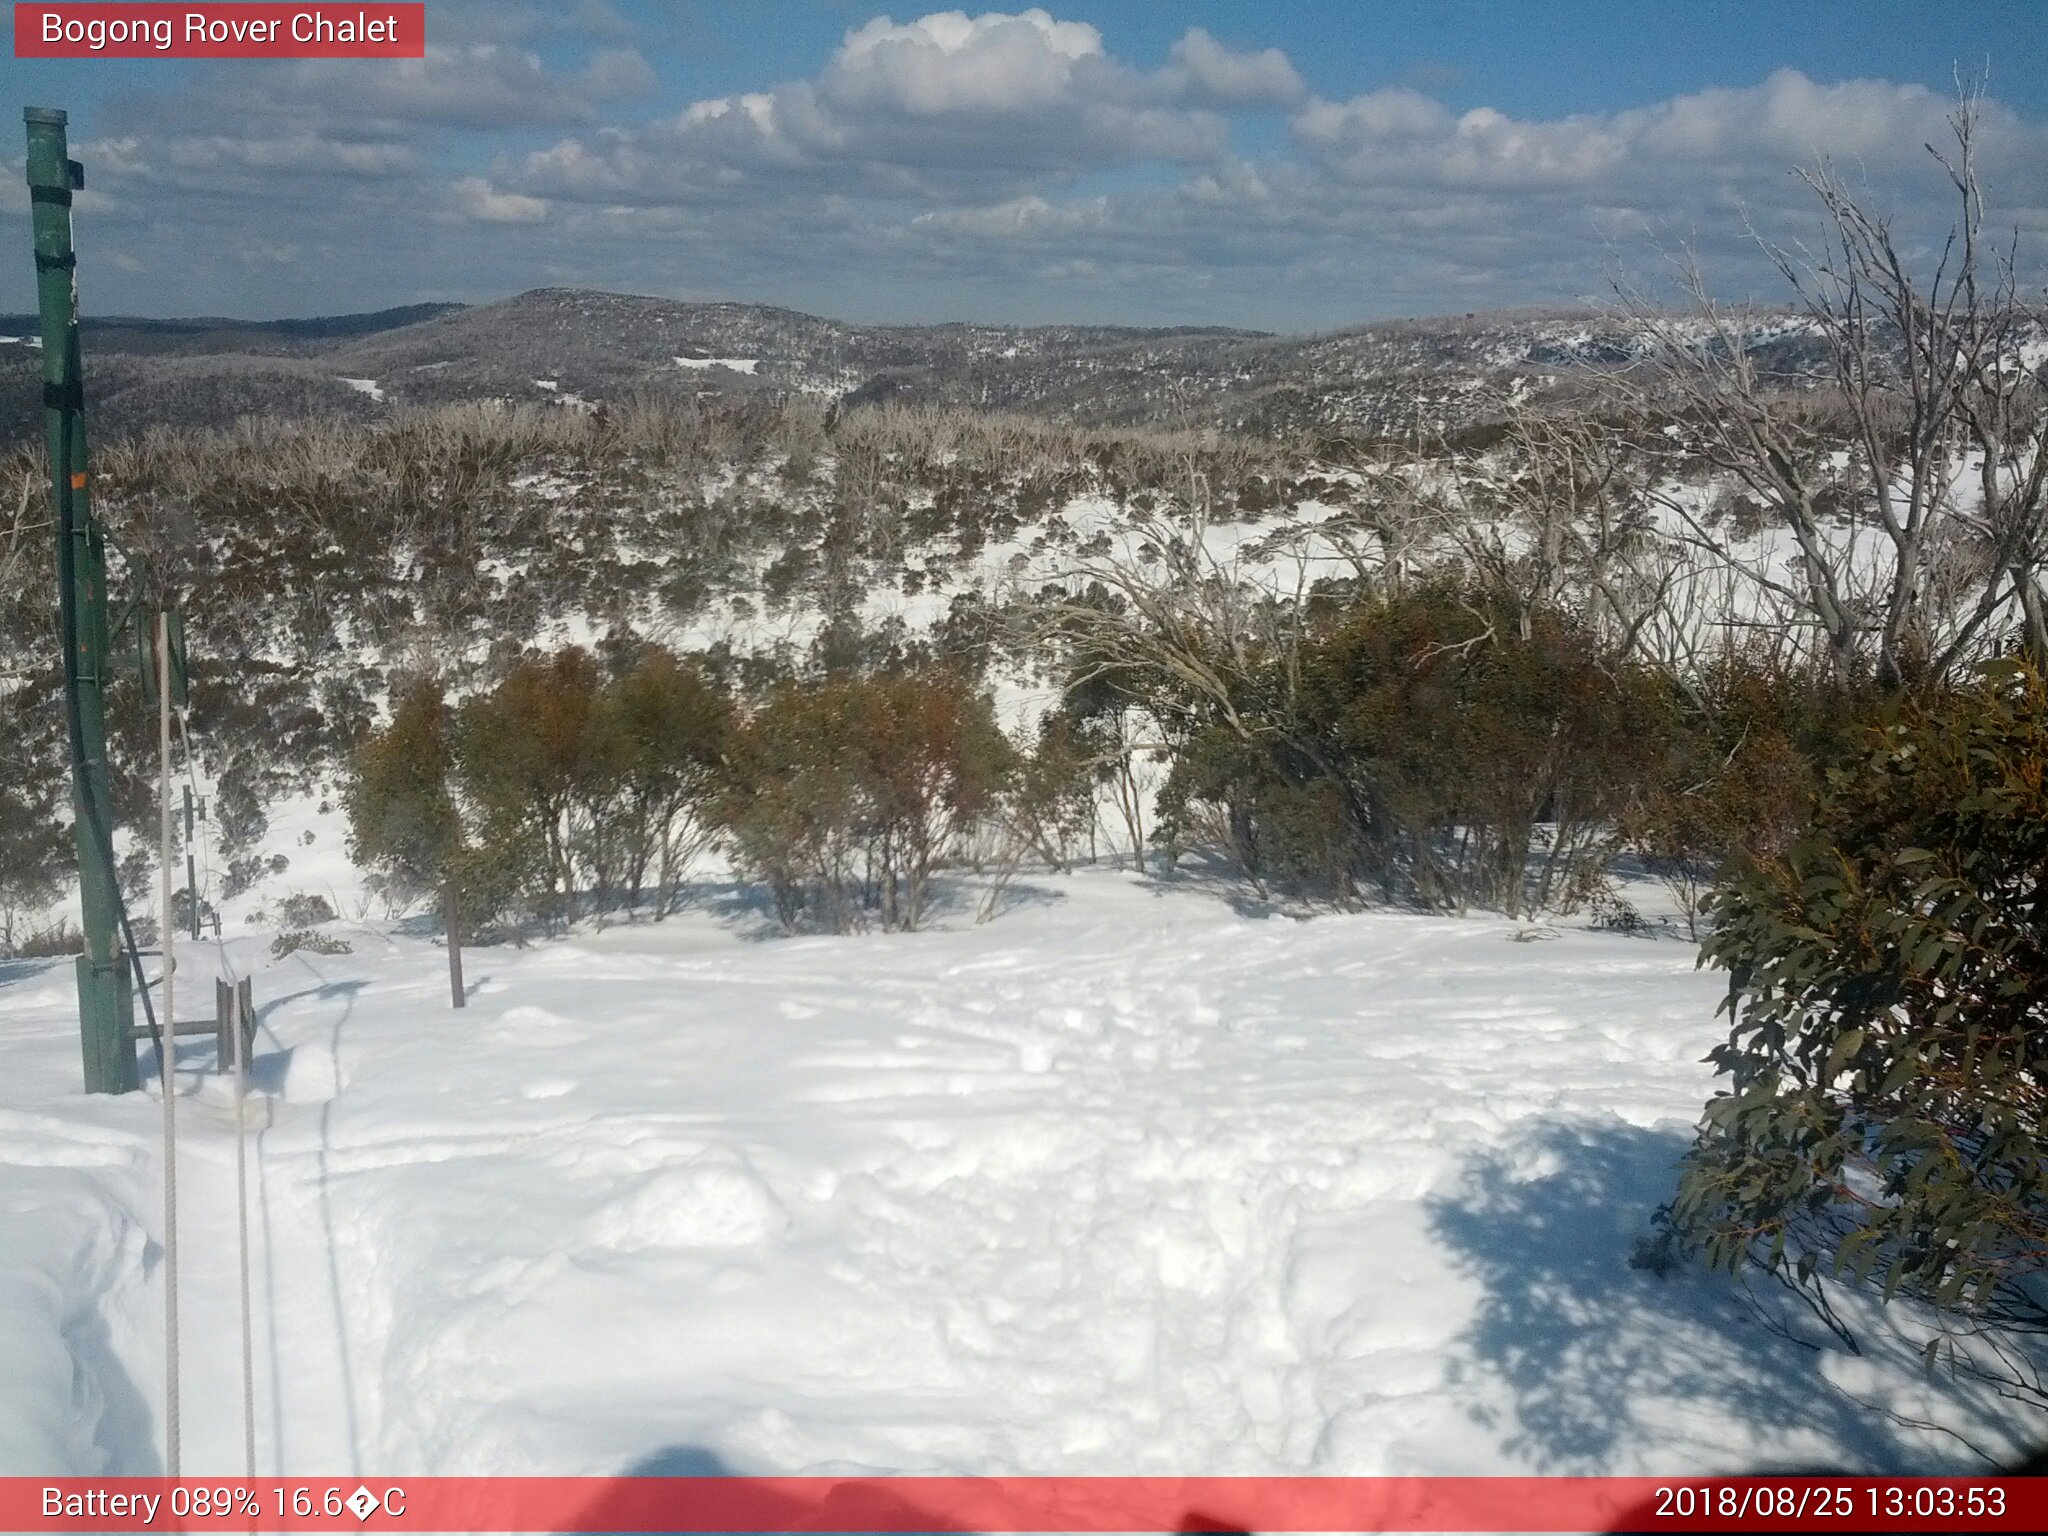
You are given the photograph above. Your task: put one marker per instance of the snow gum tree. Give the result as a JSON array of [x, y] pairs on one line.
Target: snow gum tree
[[402, 812], [845, 794], [531, 759], [663, 729], [1907, 466]]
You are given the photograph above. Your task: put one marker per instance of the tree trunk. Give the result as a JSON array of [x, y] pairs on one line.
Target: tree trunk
[[451, 914]]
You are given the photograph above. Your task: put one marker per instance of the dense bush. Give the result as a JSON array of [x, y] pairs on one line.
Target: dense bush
[[530, 761], [304, 909], [1741, 771], [567, 783], [579, 782], [1887, 1059], [663, 729], [35, 841], [1427, 742], [291, 941], [406, 821], [845, 794]]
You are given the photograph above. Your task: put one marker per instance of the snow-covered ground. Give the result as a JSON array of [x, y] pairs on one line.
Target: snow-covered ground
[[1126, 1180], [736, 364]]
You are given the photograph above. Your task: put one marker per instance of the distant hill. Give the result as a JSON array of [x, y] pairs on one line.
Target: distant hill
[[579, 347], [210, 334]]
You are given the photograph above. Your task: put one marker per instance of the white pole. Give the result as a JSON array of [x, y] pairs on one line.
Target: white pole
[[167, 1049], [242, 1030]]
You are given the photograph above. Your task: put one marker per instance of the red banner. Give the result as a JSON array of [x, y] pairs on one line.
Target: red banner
[[318, 31], [1020, 1504]]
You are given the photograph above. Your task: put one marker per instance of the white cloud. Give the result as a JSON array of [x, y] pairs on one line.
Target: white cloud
[[614, 74], [476, 198], [476, 86], [211, 160], [1203, 69], [990, 163], [1022, 216], [948, 107], [1731, 135], [952, 63]]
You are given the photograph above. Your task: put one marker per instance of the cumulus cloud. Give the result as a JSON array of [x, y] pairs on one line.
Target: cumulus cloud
[[1399, 137], [201, 161], [1021, 216], [354, 138], [615, 74], [1393, 202], [478, 86], [1203, 69], [477, 199], [995, 163], [943, 107], [453, 89], [951, 63]]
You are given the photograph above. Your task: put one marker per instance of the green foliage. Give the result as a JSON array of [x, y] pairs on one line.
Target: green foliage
[[584, 785], [1741, 772], [1050, 800], [1428, 741], [844, 794], [531, 762], [35, 842], [1888, 1049], [661, 729], [402, 816], [289, 941], [304, 909]]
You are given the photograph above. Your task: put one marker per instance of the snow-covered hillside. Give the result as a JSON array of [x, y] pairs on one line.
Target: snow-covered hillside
[[1127, 1180]]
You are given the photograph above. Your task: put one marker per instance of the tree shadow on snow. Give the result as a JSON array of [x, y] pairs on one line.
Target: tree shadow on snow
[[268, 1069], [1605, 1363], [1199, 872], [950, 901], [23, 968], [1016, 896]]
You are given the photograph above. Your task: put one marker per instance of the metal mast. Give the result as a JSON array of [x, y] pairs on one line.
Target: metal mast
[[105, 1001]]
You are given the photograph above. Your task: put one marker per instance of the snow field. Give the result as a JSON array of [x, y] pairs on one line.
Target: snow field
[[1122, 1182]]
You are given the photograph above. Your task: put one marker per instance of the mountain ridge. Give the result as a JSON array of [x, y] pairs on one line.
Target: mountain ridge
[[581, 347]]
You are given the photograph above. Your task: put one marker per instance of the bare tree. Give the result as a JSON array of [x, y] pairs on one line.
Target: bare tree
[[1866, 462]]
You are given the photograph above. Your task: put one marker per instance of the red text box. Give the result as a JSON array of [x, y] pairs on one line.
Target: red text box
[[213, 31]]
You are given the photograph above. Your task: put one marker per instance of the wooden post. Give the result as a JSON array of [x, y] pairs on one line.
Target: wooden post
[[191, 872], [451, 913], [224, 1023], [234, 1022]]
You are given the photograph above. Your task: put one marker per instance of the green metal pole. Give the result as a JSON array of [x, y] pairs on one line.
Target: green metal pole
[[106, 1003]]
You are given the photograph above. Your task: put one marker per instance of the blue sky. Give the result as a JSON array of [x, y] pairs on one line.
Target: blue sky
[[1289, 166]]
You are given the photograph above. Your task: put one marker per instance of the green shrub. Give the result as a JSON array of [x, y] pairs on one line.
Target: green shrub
[[845, 794], [1429, 743], [403, 818], [529, 763], [1887, 1058], [662, 729], [290, 941], [1740, 773], [303, 909]]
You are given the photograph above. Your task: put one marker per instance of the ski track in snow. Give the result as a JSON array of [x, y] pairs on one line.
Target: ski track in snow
[[1122, 1182]]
